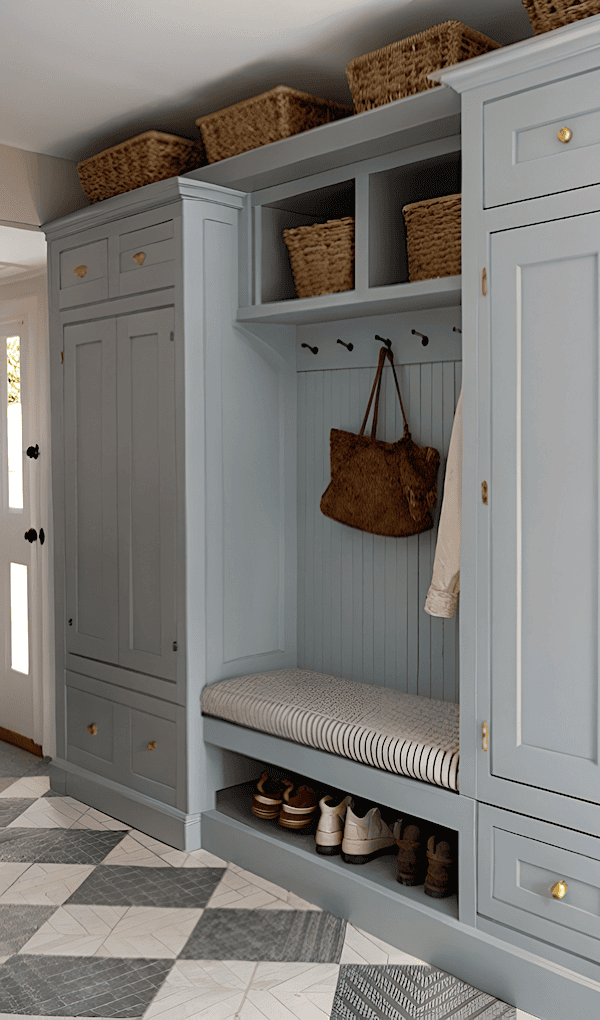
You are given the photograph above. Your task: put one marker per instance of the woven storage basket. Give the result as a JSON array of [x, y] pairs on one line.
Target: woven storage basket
[[433, 237], [545, 15], [401, 69], [152, 156], [266, 118], [322, 257]]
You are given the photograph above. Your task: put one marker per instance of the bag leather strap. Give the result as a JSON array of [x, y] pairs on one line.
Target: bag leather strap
[[376, 390]]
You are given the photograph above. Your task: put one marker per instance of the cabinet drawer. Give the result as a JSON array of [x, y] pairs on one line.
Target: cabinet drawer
[[146, 258], [90, 723], [523, 155], [84, 274], [520, 860], [154, 748], [126, 724]]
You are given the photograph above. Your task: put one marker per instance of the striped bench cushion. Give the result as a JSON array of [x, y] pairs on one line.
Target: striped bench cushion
[[402, 733]]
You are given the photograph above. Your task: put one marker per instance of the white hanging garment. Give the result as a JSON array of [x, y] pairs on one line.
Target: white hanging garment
[[445, 582]]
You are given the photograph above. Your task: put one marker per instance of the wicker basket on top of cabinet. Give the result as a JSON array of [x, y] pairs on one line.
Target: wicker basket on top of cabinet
[[401, 69], [545, 15]]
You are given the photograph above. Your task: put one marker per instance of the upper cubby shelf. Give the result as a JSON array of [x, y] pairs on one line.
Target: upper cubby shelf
[[399, 125], [443, 292], [367, 167]]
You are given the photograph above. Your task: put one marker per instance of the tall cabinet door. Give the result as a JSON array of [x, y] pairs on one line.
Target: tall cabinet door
[[544, 506], [90, 444], [147, 497]]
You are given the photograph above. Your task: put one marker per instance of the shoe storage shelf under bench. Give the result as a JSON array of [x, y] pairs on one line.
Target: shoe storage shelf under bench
[[289, 859]]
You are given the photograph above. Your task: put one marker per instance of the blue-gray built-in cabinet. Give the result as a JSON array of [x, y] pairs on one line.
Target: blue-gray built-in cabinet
[[191, 422]]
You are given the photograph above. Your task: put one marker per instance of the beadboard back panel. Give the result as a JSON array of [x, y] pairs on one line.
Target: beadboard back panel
[[361, 596]]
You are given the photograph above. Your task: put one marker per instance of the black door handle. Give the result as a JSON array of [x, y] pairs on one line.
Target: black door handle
[[31, 535], [33, 451]]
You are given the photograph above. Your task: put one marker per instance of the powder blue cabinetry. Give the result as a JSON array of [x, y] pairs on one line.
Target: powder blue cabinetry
[[220, 514], [158, 405], [529, 574]]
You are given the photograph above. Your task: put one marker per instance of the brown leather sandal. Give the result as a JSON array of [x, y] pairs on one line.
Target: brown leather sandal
[[268, 797], [298, 811]]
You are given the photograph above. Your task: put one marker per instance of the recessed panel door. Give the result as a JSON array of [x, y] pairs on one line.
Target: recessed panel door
[[90, 439], [544, 506], [20, 530], [147, 498]]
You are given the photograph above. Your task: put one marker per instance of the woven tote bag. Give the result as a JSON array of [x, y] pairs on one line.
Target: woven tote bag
[[383, 488]]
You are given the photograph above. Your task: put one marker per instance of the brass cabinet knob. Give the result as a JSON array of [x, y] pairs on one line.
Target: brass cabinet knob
[[140, 258], [92, 729], [559, 889], [152, 745], [80, 271], [565, 134]]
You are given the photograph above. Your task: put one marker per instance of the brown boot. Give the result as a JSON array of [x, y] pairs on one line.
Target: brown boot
[[441, 877], [268, 797], [412, 860], [299, 810]]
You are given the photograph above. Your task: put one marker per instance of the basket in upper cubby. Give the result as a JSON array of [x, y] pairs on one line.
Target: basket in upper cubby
[[545, 15], [266, 118], [144, 159], [433, 237], [401, 69], [322, 257]]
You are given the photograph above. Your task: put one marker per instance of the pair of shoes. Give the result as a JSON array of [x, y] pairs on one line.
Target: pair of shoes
[[359, 839], [273, 799], [425, 859]]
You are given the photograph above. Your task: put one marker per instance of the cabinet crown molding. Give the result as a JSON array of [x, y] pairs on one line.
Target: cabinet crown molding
[[527, 55], [153, 196]]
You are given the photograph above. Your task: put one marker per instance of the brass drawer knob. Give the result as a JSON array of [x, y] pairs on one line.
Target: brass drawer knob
[[152, 745], [92, 729], [140, 258], [559, 889], [80, 271], [565, 135]]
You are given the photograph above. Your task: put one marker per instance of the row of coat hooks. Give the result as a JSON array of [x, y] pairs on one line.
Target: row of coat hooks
[[388, 343]]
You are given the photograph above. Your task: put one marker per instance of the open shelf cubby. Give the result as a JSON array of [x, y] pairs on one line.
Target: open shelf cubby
[[290, 859], [318, 206], [391, 190]]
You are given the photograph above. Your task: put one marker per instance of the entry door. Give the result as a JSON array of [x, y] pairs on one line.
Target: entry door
[[19, 573], [544, 505]]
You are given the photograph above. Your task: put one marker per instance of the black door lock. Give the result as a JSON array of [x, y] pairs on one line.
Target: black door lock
[[33, 452], [32, 535]]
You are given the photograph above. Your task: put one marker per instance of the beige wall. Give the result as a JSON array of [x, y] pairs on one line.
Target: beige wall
[[35, 189]]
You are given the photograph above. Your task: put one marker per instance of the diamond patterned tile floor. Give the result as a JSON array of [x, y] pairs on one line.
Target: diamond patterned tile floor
[[100, 920]]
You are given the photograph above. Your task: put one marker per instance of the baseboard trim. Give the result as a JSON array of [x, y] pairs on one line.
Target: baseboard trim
[[26, 743], [165, 823]]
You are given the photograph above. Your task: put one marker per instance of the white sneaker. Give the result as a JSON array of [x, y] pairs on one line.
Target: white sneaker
[[330, 830], [368, 837]]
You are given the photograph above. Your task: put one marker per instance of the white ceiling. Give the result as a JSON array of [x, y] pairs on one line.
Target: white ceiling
[[79, 75]]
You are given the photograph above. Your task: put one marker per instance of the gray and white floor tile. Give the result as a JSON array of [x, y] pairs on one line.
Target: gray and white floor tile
[[101, 920]]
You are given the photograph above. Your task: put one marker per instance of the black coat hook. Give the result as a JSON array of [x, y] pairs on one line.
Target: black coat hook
[[388, 343], [315, 350], [349, 346], [424, 339]]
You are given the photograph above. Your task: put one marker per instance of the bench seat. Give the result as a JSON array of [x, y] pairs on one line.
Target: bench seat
[[402, 733]]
